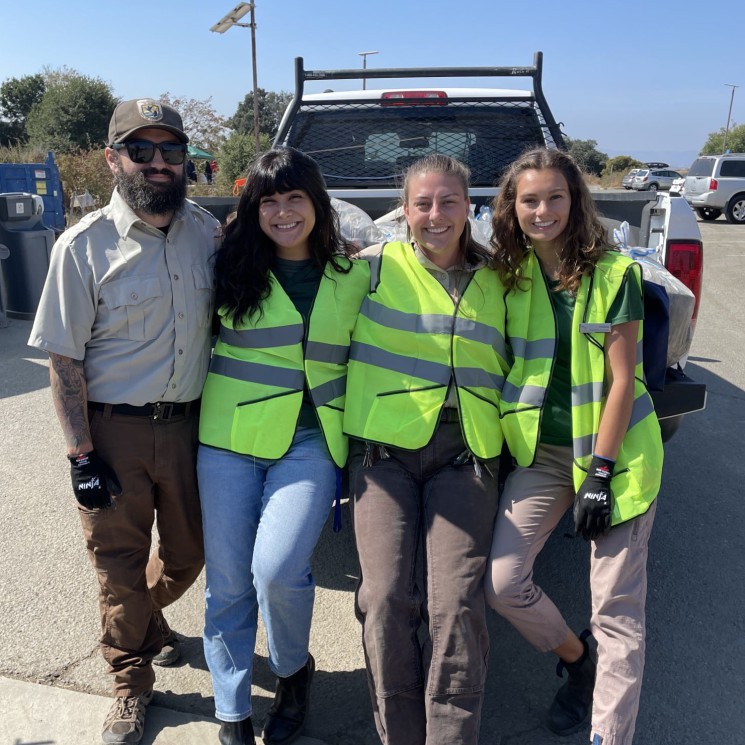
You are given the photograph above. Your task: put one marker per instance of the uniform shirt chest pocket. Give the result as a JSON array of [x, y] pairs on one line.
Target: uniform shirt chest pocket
[[204, 286], [129, 303]]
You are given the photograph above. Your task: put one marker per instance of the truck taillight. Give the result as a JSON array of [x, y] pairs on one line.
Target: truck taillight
[[420, 98], [713, 184], [685, 260]]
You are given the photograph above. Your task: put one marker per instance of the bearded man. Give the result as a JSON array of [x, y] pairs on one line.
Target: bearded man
[[125, 316]]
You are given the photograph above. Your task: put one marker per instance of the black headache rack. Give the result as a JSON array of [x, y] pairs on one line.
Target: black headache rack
[[368, 142]]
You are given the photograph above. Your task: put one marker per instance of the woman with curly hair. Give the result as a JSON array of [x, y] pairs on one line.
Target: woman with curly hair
[[270, 433], [582, 430]]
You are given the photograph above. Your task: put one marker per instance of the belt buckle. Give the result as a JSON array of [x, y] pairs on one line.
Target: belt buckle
[[162, 411]]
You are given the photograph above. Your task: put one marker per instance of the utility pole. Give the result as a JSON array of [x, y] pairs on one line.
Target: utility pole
[[729, 115], [364, 67]]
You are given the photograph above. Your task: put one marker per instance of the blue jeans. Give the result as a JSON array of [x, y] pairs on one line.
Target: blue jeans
[[262, 520]]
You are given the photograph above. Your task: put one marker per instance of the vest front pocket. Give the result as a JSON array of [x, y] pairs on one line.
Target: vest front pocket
[[264, 428], [406, 418]]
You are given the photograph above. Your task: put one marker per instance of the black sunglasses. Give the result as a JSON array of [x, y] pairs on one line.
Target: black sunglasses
[[143, 151]]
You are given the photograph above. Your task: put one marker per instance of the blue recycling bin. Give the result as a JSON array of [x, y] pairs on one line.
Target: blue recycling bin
[[28, 243]]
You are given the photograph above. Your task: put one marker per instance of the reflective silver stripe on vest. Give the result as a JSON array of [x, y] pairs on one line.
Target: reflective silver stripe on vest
[[412, 366], [528, 395], [329, 391], [426, 323], [475, 377], [532, 350], [587, 393], [253, 372], [279, 336], [642, 408], [583, 446], [433, 323], [480, 332], [320, 351]]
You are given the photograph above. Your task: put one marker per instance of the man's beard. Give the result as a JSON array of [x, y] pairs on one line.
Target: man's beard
[[154, 199]]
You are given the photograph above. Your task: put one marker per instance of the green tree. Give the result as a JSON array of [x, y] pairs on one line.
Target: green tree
[[587, 156], [235, 156], [735, 141], [621, 164], [18, 96], [205, 127], [74, 112], [271, 108]]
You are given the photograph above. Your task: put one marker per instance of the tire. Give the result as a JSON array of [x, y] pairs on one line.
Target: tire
[[736, 210], [669, 426], [653, 187], [708, 213]]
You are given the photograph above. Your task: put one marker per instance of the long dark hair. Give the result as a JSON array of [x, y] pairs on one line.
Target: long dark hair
[[584, 240], [247, 253], [471, 251]]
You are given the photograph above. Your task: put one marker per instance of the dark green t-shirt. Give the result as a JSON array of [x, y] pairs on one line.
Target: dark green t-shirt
[[556, 424], [300, 280]]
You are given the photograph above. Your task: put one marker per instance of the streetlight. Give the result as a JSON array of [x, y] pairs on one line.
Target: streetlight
[[729, 115], [364, 66], [231, 19]]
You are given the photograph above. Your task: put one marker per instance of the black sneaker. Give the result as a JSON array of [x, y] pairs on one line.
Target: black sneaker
[[170, 652]]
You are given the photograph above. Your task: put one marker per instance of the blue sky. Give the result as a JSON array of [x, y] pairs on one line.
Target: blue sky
[[642, 77]]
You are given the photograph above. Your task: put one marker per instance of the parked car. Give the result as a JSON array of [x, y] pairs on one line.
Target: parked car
[[652, 180], [678, 188], [716, 184], [628, 179]]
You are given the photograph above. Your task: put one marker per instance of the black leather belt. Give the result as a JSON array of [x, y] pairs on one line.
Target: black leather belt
[[448, 414], [161, 410]]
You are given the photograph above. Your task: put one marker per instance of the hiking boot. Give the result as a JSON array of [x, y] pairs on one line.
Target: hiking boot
[[171, 650], [237, 733], [572, 704], [285, 719], [125, 722]]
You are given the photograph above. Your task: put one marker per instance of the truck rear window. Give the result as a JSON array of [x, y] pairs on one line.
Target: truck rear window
[[366, 144]]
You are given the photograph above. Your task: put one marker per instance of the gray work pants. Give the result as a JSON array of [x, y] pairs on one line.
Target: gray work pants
[[420, 504], [532, 504]]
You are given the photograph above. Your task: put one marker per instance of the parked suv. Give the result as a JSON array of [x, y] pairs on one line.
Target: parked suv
[[628, 179], [716, 184], [650, 180]]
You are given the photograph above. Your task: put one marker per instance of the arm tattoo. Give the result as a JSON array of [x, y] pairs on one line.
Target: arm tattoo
[[70, 396]]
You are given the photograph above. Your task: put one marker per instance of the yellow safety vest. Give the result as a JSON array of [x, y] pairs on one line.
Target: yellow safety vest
[[254, 389], [410, 341], [531, 328]]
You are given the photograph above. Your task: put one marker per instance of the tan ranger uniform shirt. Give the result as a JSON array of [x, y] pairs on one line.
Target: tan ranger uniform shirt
[[133, 302]]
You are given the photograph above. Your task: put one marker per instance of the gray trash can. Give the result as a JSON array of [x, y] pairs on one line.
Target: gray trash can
[[29, 244]]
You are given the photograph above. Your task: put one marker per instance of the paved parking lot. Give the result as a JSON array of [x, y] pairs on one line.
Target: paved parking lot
[[696, 651]]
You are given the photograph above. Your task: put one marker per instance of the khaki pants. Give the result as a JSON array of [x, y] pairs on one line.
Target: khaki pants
[[154, 461], [407, 506], [533, 503]]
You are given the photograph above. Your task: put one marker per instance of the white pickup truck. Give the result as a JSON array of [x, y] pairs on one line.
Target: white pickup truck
[[364, 139]]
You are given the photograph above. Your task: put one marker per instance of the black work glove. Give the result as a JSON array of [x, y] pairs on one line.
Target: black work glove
[[593, 504], [93, 481]]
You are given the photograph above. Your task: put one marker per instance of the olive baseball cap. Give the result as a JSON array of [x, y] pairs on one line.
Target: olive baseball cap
[[130, 117]]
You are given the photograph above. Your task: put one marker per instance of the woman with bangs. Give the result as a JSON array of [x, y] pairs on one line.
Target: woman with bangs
[[270, 435]]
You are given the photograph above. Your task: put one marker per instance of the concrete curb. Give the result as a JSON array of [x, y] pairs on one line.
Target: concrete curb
[[43, 715]]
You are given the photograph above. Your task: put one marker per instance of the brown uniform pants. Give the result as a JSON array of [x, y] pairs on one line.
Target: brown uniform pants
[[154, 461], [408, 505]]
